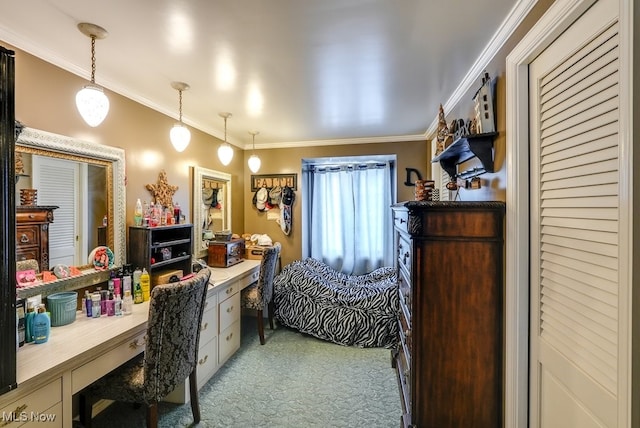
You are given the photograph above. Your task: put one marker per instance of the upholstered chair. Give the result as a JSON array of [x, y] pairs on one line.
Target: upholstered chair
[[170, 356], [259, 295]]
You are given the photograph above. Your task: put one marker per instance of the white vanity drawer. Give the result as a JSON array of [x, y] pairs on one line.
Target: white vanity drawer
[[229, 342], [209, 324], [41, 403], [228, 291], [229, 310], [249, 279], [207, 361], [95, 369]]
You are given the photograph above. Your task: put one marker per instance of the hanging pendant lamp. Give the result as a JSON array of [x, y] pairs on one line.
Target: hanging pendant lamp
[[254, 161], [92, 103], [225, 151], [180, 135]]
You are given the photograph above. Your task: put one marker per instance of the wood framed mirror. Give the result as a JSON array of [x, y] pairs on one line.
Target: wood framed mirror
[[36, 147], [211, 207]]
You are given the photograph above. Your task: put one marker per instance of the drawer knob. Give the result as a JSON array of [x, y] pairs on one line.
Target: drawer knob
[[136, 344], [204, 326], [24, 238], [229, 309], [407, 333], [203, 360], [229, 290], [229, 336]]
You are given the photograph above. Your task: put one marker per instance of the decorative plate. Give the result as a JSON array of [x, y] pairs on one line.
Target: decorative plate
[[101, 258]]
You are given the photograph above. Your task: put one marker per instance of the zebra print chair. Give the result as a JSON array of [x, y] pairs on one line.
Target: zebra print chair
[[351, 310]]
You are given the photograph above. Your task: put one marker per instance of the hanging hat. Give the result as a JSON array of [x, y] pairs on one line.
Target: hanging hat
[[288, 196], [261, 198], [207, 196], [275, 195]]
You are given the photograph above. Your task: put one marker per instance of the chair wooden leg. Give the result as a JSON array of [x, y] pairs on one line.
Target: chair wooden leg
[[152, 415], [86, 410], [271, 308], [261, 327], [195, 402]]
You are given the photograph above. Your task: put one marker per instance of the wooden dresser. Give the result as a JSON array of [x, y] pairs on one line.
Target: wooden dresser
[[32, 233], [449, 359]]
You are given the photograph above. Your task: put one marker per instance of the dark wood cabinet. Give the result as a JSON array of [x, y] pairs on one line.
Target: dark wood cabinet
[[32, 233], [161, 249], [449, 359]]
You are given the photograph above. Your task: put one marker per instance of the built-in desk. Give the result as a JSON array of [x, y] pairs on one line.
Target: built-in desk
[[49, 374]]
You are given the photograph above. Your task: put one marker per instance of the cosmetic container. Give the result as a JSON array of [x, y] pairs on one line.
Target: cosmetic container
[[111, 305], [41, 326], [127, 303], [95, 304], [28, 322], [118, 306], [88, 304]]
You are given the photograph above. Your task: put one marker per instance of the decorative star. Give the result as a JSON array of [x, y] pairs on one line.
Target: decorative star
[[162, 192]]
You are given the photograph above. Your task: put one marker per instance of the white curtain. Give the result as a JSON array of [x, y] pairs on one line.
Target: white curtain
[[350, 217]]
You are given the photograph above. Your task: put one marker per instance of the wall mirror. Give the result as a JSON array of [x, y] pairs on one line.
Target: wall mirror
[[96, 190], [211, 207]]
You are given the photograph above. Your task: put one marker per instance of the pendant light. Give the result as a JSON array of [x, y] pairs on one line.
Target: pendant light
[[180, 135], [91, 101], [225, 151], [254, 161]]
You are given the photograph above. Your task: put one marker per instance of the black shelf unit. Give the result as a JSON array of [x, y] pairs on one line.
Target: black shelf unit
[[465, 148], [147, 243]]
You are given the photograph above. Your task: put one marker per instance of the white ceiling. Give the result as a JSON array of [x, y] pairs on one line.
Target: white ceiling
[[297, 71]]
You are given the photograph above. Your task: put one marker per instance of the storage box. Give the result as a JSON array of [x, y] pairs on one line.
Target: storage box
[[255, 252], [164, 276], [225, 254]]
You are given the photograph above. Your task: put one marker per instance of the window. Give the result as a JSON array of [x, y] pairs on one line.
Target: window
[[346, 211]]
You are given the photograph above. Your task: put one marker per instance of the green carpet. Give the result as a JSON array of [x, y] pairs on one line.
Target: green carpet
[[294, 380]]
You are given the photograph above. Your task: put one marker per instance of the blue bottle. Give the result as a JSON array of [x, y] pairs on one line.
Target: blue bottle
[[41, 326], [28, 322]]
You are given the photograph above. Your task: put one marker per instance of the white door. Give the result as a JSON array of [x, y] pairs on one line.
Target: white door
[[57, 181], [574, 233]]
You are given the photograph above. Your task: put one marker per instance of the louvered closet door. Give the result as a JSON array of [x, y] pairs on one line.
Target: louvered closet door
[[57, 181], [574, 225]]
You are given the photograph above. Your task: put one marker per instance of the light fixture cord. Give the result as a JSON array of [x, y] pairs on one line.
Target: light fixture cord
[[225, 129], [254, 143], [93, 59], [180, 98]]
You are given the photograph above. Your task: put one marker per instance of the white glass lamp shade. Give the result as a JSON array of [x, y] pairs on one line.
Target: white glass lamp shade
[[254, 163], [180, 137], [225, 153], [92, 104]]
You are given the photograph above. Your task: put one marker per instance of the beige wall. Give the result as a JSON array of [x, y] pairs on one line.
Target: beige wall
[[281, 161], [45, 99]]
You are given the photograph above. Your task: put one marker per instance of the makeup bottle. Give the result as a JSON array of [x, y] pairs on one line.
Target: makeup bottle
[[118, 306], [95, 304], [28, 322], [88, 304], [145, 284], [127, 303], [104, 296], [41, 326], [111, 305]]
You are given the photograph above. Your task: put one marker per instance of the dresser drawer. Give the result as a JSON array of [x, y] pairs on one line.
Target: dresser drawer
[[229, 311], [400, 220], [40, 216], [404, 381], [404, 288], [229, 341], [39, 401], [405, 331], [27, 236], [27, 254], [228, 291], [404, 254]]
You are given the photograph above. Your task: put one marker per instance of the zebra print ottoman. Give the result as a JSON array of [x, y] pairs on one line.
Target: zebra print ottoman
[[351, 310]]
